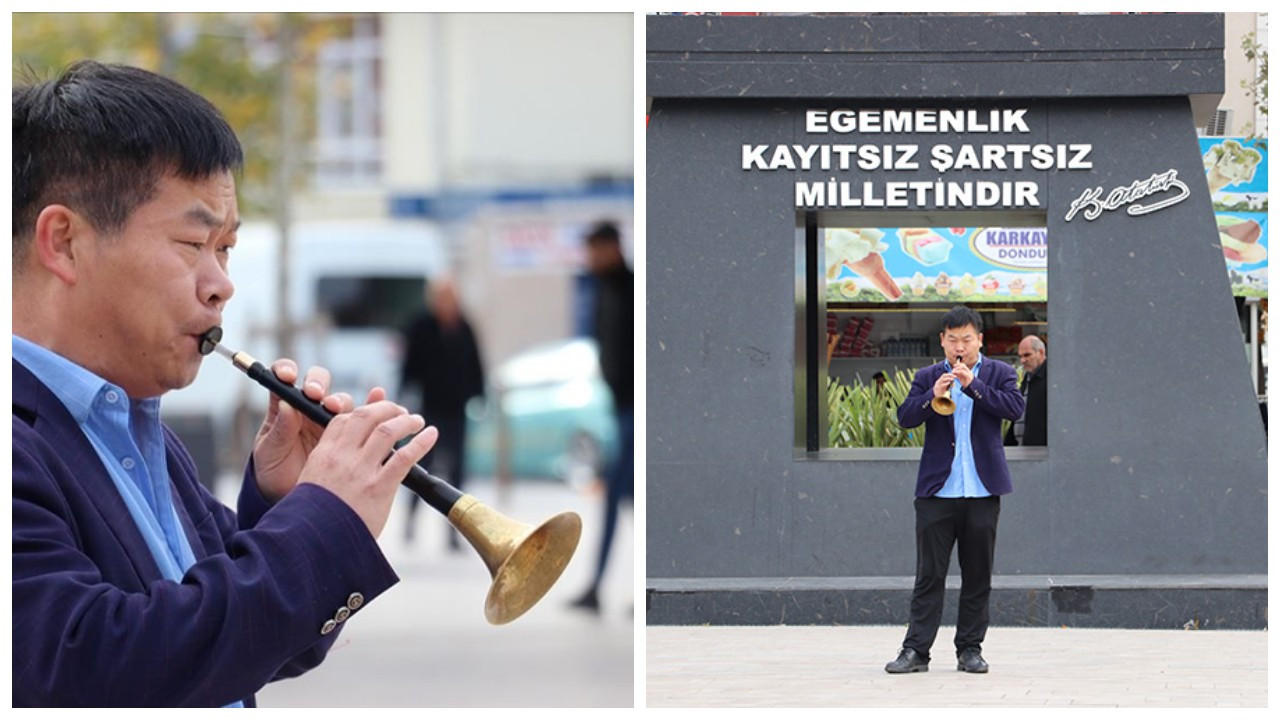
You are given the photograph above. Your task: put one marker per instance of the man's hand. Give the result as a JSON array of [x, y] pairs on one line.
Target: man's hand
[[348, 460], [287, 437], [942, 388], [962, 373]]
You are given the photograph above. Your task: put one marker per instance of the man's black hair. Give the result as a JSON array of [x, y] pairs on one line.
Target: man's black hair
[[605, 232], [98, 139], [959, 316]]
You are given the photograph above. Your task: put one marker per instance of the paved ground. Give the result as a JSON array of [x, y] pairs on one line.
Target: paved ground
[[425, 643], [1030, 667]]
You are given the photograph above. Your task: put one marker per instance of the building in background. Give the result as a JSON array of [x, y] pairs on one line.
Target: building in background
[[511, 131], [1239, 112]]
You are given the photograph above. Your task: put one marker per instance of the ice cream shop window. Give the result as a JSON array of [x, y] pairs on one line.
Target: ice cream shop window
[[871, 292]]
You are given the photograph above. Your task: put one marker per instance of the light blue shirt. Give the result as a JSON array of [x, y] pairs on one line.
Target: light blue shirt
[[963, 480], [127, 435]]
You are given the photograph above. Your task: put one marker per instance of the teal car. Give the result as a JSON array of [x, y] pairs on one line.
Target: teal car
[[547, 414]]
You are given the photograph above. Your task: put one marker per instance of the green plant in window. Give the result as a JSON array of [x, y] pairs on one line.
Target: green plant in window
[[861, 416], [866, 416]]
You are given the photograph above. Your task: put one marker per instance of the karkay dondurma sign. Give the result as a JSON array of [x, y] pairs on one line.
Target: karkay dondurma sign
[[845, 157], [957, 264]]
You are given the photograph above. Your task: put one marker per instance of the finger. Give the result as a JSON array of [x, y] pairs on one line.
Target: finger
[[339, 403], [356, 426], [377, 395], [400, 462], [284, 420], [385, 436], [286, 370], [316, 384], [272, 412]]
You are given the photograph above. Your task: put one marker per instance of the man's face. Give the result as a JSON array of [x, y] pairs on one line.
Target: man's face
[[147, 292], [964, 341], [1031, 359], [602, 256]]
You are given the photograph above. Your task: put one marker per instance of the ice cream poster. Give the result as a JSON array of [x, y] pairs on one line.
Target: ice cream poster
[[1236, 169], [874, 265]]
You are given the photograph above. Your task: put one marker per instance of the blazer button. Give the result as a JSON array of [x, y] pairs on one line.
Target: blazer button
[[355, 601], [342, 614], [328, 627]]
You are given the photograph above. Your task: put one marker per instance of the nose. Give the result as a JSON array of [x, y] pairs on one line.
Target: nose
[[215, 286]]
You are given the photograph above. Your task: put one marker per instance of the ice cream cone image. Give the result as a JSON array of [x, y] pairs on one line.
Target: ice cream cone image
[[1229, 163], [859, 250], [990, 285], [871, 267], [1041, 286], [1217, 181], [968, 285], [1016, 286]]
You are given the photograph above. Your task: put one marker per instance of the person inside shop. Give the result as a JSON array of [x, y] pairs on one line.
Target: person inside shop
[[442, 368], [1032, 429], [961, 476], [880, 388], [132, 585], [613, 327]]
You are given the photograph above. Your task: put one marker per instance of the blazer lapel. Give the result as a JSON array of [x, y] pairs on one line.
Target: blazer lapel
[[31, 399]]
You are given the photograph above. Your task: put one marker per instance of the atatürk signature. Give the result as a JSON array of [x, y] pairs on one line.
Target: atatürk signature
[[1092, 202]]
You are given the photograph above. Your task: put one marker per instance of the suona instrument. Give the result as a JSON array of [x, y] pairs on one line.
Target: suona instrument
[[944, 405], [523, 561]]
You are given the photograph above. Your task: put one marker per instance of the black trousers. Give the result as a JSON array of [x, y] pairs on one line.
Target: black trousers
[[942, 523]]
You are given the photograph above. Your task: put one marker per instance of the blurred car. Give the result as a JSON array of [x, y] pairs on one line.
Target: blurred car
[[556, 411]]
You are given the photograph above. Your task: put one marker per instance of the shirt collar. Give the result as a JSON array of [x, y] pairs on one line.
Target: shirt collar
[[78, 389]]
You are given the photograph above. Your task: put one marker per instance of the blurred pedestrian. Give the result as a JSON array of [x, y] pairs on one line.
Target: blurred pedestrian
[[442, 366], [1033, 427], [613, 327]]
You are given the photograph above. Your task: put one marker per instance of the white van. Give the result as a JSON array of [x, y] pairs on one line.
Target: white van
[[353, 287]]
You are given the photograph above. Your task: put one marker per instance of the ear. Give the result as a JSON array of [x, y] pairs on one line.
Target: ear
[[60, 241]]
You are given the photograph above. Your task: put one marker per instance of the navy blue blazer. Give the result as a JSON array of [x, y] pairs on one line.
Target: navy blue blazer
[[95, 623], [995, 398]]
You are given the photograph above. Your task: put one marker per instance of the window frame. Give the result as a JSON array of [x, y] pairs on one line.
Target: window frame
[[811, 366]]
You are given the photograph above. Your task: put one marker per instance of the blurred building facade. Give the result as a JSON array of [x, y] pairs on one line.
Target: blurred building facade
[[512, 131], [1238, 113]]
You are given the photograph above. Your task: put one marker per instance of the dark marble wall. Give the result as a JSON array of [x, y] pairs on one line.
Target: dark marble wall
[[1157, 458]]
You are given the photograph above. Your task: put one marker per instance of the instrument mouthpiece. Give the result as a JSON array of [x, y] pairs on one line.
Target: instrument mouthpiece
[[210, 339]]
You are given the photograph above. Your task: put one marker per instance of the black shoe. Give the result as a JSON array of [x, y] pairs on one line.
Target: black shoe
[[908, 661], [588, 601], [970, 660]]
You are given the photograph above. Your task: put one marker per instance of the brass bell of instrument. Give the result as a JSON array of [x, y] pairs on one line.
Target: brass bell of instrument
[[943, 405], [523, 561]]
